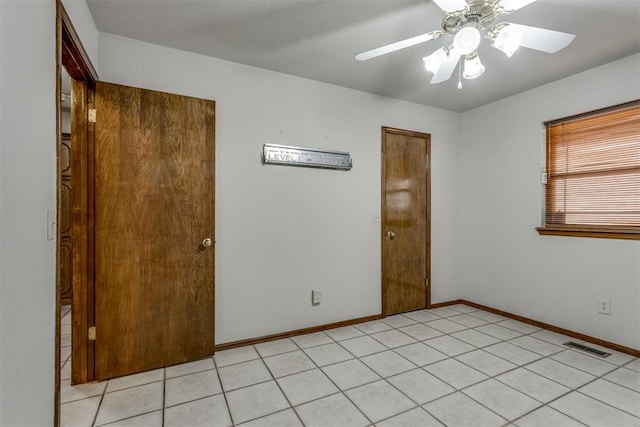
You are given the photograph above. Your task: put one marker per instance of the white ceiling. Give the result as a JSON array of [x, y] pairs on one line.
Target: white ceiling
[[317, 39]]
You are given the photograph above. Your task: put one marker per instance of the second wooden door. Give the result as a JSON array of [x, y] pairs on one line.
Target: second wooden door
[[154, 229], [405, 221]]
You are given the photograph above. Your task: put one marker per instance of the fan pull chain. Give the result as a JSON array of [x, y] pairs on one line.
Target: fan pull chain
[[460, 75]]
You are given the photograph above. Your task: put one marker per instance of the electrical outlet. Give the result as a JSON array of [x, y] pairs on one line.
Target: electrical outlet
[[316, 296], [604, 306]]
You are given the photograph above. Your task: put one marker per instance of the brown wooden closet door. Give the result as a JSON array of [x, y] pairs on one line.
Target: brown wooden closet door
[[154, 201], [405, 224]]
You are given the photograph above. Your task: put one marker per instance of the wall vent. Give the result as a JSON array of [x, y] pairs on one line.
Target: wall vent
[[583, 347]]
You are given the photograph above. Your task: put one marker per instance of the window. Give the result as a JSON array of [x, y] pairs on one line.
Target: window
[[593, 174]]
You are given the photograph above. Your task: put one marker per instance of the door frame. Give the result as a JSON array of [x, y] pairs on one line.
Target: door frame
[[71, 55], [383, 240]]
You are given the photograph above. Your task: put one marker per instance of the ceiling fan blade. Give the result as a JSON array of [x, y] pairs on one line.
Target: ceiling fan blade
[[398, 45], [513, 5], [542, 39], [446, 69], [451, 5]]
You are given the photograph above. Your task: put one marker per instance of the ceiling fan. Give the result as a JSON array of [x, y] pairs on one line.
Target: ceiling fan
[[468, 21]]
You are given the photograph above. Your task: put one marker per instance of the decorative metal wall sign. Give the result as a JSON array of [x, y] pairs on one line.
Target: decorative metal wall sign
[[308, 157]]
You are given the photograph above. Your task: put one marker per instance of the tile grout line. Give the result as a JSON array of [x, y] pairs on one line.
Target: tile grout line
[[601, 377], [577, 389], [224, 395], [299, 348], [451, 318], [525, 366], [95, 416], [605, 403], [420, 406], [570, 391], [542, 404], [395, 328], [340, 391], [164, 392], [132, 416], [263, 358], [275, 380], [491, 377], [456, 390], [383, 378]]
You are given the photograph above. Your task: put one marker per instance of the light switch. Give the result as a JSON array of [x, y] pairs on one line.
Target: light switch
[[51, 224], [375, 216]]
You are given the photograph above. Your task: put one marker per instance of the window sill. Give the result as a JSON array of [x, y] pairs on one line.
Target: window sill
[[601, 233]]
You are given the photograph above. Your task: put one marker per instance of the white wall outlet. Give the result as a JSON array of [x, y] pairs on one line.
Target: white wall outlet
[[604, 306], [316, 296]]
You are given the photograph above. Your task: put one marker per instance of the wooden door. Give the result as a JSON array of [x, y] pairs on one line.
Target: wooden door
[[405, 220], [154, 206]]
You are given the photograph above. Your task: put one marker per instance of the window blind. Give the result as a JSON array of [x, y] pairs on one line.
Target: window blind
[[593, 169]]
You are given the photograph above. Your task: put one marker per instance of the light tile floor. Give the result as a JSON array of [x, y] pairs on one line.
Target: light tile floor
[[453, 366]]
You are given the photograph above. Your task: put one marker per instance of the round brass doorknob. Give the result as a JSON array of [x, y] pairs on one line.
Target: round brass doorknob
[[391, 234], [207, 242]]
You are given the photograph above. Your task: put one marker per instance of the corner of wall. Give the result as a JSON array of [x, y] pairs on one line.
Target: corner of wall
[[505, 263], [27, 190]]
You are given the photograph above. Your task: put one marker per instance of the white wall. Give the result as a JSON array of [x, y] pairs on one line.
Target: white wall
[[264, 211], [283, 231], [504, 262], [27, 190]]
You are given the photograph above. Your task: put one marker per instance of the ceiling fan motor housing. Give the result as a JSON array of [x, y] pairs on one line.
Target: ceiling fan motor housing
[[479, 13]]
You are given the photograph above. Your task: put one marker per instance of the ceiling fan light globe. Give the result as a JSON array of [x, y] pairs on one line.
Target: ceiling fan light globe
[[467, 40], [472, 67], [508, 40], [434, 61]]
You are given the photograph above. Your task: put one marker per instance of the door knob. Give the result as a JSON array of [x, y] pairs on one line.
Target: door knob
[[206, 242], [391, 234]]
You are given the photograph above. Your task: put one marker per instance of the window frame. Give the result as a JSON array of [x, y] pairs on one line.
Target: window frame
[[579, 230]]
